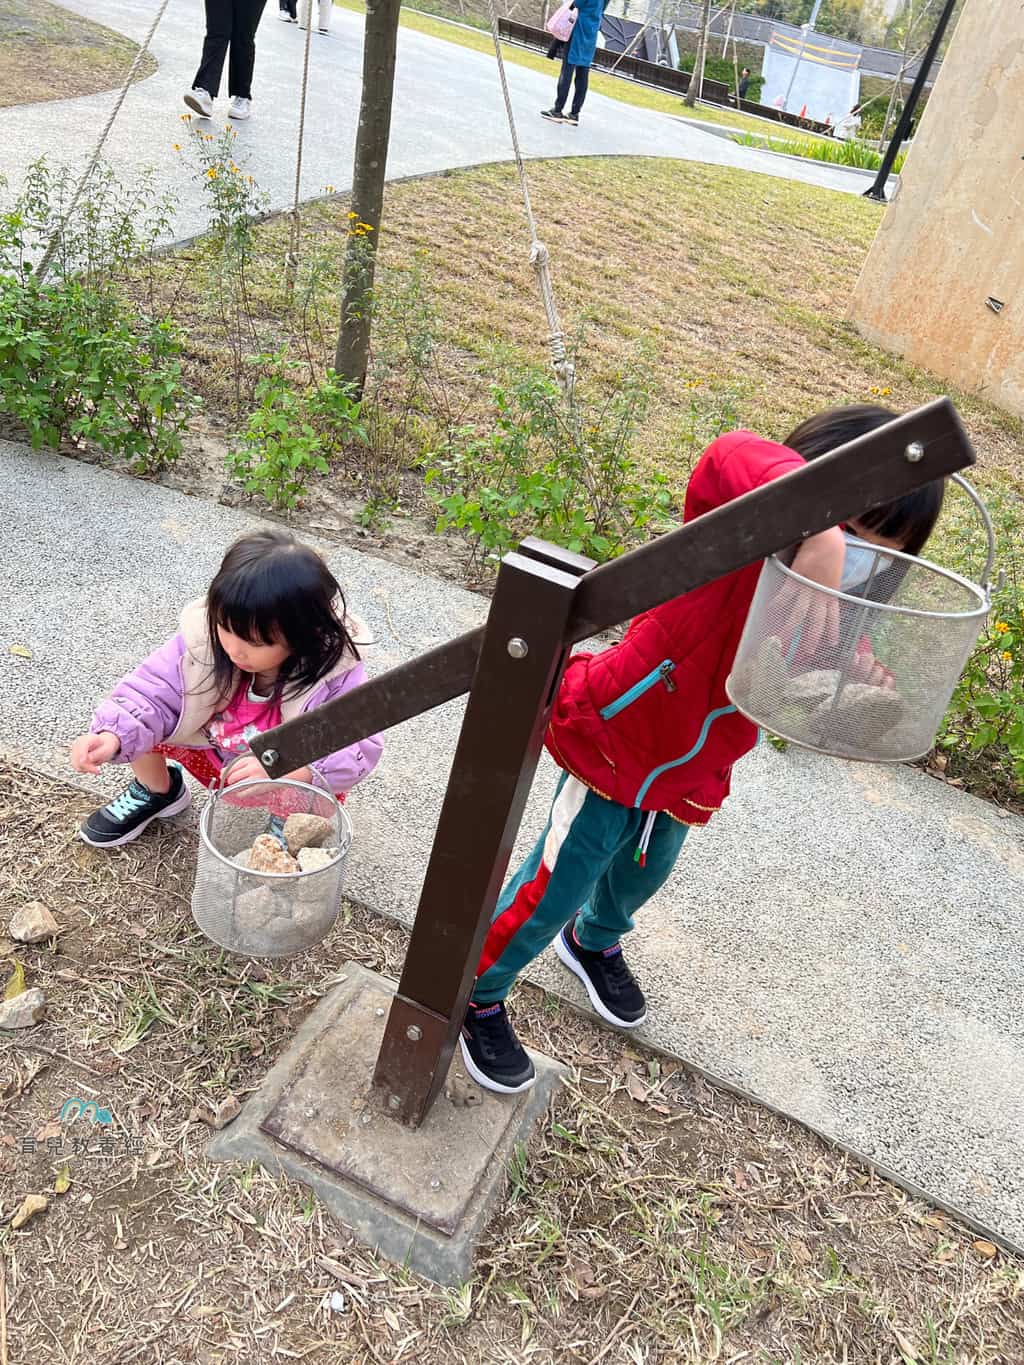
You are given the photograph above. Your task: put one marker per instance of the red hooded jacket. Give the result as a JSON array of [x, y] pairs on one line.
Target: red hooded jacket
[[647, 723]]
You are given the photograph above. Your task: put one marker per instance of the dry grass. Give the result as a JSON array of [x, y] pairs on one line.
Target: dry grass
[[48, 53], [653, 1219]]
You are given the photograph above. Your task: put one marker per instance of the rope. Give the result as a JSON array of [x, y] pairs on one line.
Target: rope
[[539, 256], [292, 259], [44, 264]]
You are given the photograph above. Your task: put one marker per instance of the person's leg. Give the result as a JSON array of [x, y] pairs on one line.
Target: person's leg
[[589, 944], [627, 885], [580, 89], [152, 772], [584, 834], [215, 45], [326, 6], [247, 16], [564, 77]]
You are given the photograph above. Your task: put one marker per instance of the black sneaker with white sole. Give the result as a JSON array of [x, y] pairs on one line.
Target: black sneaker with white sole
[[609, 982], [493, 1055], [124, 818], [553, 115]]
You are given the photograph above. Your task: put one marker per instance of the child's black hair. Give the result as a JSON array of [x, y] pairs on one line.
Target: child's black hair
[[909, 520], [272, 589]]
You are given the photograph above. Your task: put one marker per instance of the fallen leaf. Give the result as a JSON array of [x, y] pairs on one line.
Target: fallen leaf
[[637, 1089], [934, 1220], [53, 1129], [986, 1249], [30, 1206], [63, 1182], [740, 1178], [20, 652], [587, 1283], [219, 1116], [15, 982]]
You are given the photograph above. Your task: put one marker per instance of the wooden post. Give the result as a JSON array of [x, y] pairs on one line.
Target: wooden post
[[697, 79], [380, 44]]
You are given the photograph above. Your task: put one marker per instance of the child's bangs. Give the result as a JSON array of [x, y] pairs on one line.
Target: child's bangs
[[248, 621]]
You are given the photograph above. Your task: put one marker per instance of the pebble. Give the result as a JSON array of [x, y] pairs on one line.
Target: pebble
[[306, 831], [24, 1010], [268, 856], [313, 859], [33, 923]]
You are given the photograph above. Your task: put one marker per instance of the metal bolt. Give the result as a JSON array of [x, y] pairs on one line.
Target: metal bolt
[[394, 1102], [915, 452], [435, 1184], [269, 757], [379, 1012], [414, 1033], [364, 1119], [518, 648]]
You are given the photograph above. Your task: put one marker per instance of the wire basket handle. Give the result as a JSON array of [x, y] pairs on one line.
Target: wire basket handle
[[986, 520]]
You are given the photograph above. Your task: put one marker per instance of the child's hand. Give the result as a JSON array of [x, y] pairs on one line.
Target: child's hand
[[90, 752], [248, 768], [867, 669], [813, 617]]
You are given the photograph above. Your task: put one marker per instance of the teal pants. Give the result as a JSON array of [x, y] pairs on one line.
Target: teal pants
[[586, 861]]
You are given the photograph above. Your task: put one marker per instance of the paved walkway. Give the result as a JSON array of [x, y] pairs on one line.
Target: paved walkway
[[448, 112], [847, 942]]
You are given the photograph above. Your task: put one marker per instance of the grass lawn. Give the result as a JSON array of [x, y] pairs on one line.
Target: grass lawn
[[653, 1219], [615, 87], [48, 53]]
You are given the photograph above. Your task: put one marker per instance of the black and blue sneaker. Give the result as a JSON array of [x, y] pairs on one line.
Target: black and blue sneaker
[[610, 984], [492, 1053], [124, 818]]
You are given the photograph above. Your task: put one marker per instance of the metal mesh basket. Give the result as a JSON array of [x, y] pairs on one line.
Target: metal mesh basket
[[267, 913], [919, 621]]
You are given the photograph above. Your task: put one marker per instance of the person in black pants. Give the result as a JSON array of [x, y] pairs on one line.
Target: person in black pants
[[229, 24], [576, 62]]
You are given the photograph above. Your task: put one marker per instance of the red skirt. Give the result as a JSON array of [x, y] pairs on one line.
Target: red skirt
[[206, 766]]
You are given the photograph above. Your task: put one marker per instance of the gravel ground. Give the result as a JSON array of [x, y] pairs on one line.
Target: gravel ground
[[843, 941]]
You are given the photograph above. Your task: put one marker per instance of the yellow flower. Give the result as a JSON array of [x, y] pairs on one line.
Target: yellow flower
[[365, 227], [177, 146], [185, 118], [1007, 655], [329, 189], [250, 180], [352, 214], [886, 392], [212, 173], [1002, 628]]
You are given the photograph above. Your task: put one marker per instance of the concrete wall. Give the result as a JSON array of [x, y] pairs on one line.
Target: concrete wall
[[953, 236]]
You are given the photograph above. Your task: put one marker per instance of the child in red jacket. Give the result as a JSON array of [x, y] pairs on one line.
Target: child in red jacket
[[646, 738]]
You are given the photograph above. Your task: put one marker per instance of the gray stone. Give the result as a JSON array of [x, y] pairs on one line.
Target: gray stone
[[32, 923], [422, 1196], [24, 1010]]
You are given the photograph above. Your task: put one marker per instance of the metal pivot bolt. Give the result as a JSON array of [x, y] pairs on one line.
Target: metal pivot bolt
[[915, 452], [414, 1033], [518, 647], [269, 757], [394, 1102]]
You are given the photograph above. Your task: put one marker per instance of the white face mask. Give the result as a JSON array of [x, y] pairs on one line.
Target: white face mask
[[863, 563]]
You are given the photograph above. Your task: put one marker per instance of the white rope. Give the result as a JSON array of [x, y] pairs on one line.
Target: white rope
[[44, 264], [539, 256], [292, 261]]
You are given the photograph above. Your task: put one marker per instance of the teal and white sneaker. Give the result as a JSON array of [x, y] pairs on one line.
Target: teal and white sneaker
[[124, 818]]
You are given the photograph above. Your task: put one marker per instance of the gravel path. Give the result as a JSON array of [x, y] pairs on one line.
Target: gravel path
[[448, 112], [847, 942]]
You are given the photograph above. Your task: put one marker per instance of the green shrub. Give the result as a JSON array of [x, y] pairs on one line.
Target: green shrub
[[550, 470], [292, 430], [834, 152], [76, 360]]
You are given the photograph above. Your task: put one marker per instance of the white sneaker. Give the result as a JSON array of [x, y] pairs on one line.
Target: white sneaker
[[239, 108], [201, 101], [285, 16]]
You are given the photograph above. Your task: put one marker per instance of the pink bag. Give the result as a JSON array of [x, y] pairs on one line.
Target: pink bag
[[561, 23]]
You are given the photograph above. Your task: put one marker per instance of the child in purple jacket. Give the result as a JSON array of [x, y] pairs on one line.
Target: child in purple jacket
[[270, 641]]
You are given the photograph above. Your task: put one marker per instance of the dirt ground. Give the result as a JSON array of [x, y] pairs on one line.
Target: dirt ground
[[47, 53], [652, 1219]]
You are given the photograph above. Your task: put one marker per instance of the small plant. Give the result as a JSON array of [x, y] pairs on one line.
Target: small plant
[[835, 153], [560, 472], [76, 361], [291, 430]]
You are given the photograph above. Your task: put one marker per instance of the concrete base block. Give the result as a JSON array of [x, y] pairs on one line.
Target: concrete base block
[[421, 1196]]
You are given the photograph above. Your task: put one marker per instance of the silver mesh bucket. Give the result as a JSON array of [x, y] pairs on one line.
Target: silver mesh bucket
[[270, 913], [917, 621]]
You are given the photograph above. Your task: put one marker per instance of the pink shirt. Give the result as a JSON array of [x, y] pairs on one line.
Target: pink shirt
[[246, 714]]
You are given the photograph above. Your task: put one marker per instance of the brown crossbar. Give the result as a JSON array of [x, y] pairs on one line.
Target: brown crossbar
[[546, 600]]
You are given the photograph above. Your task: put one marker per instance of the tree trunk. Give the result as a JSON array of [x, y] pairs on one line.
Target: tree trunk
[[697, 79], [379, 46]]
